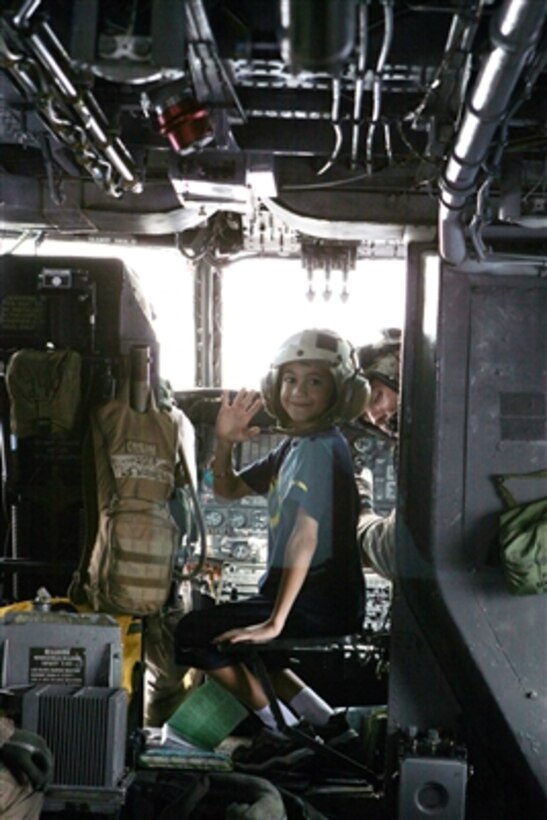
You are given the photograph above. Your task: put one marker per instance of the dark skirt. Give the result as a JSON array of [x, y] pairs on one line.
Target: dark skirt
[[196, 630]]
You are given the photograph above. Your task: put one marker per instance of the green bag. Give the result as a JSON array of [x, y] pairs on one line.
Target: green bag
[[523, 539], [44, 391]]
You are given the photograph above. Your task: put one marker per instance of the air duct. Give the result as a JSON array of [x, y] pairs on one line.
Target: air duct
[[514, 33], [317, 35]]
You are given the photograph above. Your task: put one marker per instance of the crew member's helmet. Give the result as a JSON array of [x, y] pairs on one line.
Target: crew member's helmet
[[327, 347], [382, 360]]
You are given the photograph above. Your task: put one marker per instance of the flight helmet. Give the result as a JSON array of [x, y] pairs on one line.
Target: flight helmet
[[382, 360], [351, 386]]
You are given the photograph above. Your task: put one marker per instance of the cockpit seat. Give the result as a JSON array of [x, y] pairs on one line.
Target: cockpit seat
[[252, 656]]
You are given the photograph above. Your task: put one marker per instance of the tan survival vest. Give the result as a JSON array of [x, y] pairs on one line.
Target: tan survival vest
[[130, 567]]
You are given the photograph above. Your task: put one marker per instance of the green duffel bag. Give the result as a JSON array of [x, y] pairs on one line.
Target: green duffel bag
[[523, 539], [44, 390]]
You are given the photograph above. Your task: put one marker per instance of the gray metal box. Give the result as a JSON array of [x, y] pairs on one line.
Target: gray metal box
[[85, 729], [432, 787], [66, 648]]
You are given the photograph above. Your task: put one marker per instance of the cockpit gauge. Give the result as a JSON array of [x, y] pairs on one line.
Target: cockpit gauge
[[238, 519], [260, 520], [240, 550], [363, 445], [214, 518]]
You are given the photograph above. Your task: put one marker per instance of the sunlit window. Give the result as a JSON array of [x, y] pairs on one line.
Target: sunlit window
[[263, 302], [266, 300]]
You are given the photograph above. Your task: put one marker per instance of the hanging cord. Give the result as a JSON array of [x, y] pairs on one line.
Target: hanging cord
[[377, 86], [5, 505], [200, 522], [359, 80], [335, 114]]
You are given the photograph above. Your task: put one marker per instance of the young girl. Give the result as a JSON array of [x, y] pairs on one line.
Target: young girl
[[313, 586]]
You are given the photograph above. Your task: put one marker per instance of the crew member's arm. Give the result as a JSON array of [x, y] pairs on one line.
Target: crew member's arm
[[232, 427], [376, 537], [298, 556], [375, 533]]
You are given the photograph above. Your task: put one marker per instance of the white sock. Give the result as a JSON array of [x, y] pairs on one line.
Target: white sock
[[267, 716], [308, 704]]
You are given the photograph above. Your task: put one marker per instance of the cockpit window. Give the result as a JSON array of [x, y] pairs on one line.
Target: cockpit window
[[265, 300]]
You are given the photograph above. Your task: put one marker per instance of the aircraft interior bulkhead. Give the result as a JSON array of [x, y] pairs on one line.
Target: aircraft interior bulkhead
[[277, 157]]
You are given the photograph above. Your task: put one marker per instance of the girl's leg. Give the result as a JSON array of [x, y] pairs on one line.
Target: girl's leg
[[239, 681], [193, 640], [302, 700], [286, 684]]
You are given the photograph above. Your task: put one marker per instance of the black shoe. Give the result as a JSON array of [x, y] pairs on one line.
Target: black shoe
[[339, 736], [338, 732], [272, 749]]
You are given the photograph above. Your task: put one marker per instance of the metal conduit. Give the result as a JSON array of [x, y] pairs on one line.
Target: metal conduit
[[362, 49], [378, 82], [515, 31]]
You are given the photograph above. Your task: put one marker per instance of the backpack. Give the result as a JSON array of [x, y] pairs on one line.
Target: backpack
[[44, 391], [523, 539], [129, 567]]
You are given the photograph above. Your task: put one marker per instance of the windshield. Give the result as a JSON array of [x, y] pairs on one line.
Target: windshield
[[266, 300]]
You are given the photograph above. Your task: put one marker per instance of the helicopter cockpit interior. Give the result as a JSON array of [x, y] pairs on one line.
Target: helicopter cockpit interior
[[387, 158]]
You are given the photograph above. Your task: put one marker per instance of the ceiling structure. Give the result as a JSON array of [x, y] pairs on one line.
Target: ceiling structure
[[330, 128]]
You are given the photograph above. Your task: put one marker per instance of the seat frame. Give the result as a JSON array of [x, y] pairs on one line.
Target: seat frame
[[250, 653]]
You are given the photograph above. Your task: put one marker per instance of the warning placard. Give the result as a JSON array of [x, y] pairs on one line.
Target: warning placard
[[51, 665]]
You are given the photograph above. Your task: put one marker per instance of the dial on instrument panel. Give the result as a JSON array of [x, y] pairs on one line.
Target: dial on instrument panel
[[238, 519], [214, 518]]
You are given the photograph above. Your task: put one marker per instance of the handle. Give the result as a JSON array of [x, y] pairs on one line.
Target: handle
[[506, 495]]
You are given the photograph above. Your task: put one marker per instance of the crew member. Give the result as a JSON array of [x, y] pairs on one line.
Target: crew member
[[381, 364], [26, 769]]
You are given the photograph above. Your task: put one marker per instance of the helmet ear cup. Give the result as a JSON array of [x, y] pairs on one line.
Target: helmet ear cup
[[354, 395], [269, 389]]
